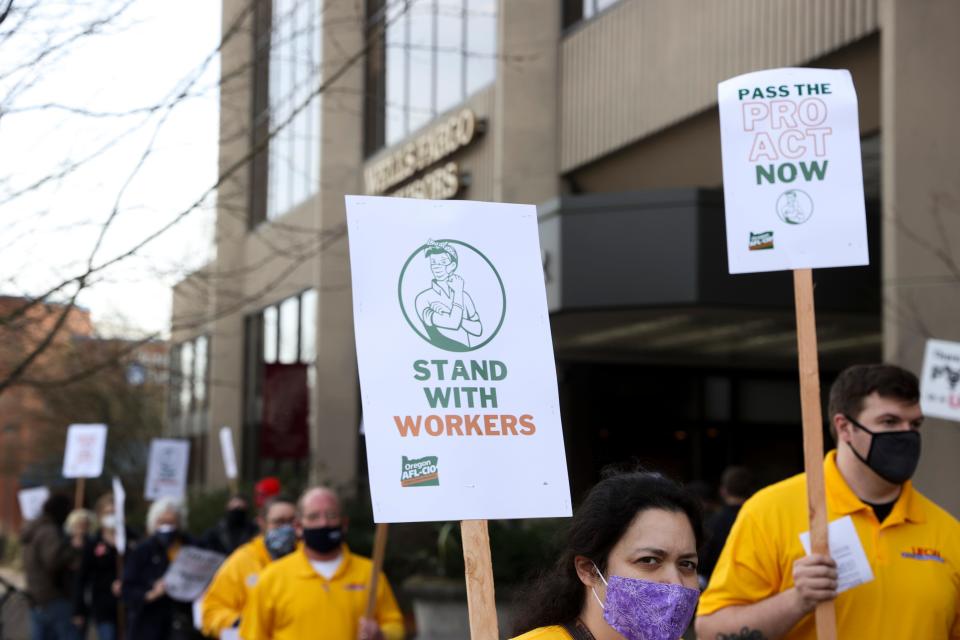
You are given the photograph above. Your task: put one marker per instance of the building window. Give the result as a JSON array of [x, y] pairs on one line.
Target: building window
[[427, 56], [189, 385], [575, 11], [287, 53], [279, 381]]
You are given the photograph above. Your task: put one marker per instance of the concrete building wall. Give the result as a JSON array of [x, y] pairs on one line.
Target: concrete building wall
[[647, 64], [921, 201]]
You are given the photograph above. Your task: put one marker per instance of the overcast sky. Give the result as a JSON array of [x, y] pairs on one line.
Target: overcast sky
[[136, 60]]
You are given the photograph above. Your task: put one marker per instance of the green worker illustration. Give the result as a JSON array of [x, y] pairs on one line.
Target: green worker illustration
[[445, 308]]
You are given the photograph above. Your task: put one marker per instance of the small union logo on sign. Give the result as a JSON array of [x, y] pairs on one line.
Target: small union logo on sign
[[419, 472], [762, 240]]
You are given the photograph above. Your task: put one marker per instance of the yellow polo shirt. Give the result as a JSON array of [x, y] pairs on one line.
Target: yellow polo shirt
[[291, 601], [914, 554], [225, 599], [546, 633]]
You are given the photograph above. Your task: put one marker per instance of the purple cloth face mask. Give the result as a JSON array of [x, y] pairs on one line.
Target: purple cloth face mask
[[644, 610]]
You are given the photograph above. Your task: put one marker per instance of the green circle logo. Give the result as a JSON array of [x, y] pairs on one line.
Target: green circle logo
[[451, 295]]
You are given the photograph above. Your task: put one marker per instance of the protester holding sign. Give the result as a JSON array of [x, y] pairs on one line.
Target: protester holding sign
[[765, 585], [98, 587], [628, 570], [320, 590], [47, 554], [224, 603], [152, 614]]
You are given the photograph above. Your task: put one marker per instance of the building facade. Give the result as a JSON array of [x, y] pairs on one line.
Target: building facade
[[602, 113]]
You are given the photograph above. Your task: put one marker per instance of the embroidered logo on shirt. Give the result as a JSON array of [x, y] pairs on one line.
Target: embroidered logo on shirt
[[252, 580], [923, 553], [355, 586]]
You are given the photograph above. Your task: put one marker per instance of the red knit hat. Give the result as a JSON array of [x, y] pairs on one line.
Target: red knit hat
[[265, 489]]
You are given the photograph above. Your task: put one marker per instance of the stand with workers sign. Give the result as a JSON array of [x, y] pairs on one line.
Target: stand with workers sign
[[793, 192], [457, 373]]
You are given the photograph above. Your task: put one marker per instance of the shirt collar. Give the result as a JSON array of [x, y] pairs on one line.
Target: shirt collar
[[436, 287], [842, 501], [306, 569]]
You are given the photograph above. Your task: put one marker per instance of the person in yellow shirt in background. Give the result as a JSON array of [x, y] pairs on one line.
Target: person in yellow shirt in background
[[227, 596], [628, 569], [764, 586], [321, 589]]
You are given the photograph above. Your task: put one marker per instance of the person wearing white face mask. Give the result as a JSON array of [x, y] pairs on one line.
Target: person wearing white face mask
[[152, 614], [628, 570]]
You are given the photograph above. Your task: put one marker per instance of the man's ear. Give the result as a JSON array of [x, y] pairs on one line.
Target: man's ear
[[842, 427], [586, 571]]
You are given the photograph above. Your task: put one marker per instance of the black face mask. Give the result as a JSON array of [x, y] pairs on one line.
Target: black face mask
[[166, 535], [236, 518], [323, 539], [893, 455]]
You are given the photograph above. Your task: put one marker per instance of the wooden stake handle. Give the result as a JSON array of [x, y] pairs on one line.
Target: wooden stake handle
[[826, 620], [481, 603], [379, 551], [79, 495]]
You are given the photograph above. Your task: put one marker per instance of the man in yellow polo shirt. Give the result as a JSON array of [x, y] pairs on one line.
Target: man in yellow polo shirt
[[321, 589], [224, 602], [765, 587]]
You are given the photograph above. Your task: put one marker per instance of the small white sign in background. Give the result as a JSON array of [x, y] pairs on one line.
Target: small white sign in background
[[457, 372], [83, 457], [191, 572], [32, 501], [792, 174], [119, 505], [167, 468], [229, 456], [940, 383]]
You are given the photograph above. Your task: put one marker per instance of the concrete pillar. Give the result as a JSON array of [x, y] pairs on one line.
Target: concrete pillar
[[335, 431], [525, 119], [226, 339], [921, 206]]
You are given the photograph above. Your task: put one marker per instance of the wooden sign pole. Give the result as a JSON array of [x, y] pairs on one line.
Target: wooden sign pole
[[79, 495], [478, 565], [826, 619], [379, 550]]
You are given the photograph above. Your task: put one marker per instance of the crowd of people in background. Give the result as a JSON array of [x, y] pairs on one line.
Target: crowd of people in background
[[639, 561]]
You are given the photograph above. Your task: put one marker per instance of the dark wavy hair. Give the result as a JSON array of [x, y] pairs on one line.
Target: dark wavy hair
[[556, 597]]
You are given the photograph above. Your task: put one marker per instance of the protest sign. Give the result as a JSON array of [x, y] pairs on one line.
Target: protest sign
[[457, 373], [792, 174], [229, 456], [167, 469], [460, 408], [32, 501], [793, 196], [940, 382], [190, 573], [83, 457], [119, 504]]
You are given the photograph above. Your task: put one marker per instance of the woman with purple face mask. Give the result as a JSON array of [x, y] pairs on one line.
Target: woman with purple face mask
[[628, 569]]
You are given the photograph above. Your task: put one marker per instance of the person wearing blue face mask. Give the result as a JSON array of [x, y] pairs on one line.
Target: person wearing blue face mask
[[151, 614], [628, 569], [225, 600]]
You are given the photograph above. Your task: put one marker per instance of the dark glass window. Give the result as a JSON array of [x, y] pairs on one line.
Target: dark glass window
[[426, 57]]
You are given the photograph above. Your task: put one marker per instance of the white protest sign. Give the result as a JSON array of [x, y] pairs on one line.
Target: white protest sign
[[167, 468], [229, 456], [119, 504], [190, 573], [853, 568], [792, 174], [32, 501], [83, 457], [457, 373], [940, 382]]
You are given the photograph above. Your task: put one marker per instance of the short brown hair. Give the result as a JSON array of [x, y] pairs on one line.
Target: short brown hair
[[859, 381], [737, 482]]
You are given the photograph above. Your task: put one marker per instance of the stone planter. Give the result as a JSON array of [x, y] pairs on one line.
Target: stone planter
[[440, 608]]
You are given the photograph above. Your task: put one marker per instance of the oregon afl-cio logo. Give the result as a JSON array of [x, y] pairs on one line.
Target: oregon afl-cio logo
[[451, 295]]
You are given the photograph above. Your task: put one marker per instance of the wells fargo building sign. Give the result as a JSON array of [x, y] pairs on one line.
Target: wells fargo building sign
[[414, 158]]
